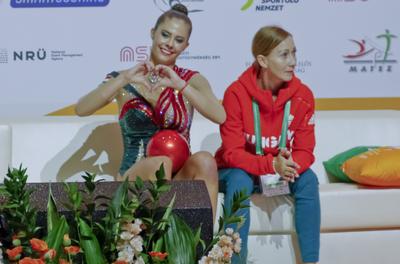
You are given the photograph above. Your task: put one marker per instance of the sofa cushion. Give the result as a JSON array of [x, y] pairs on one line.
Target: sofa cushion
[[334, 165], [377, 167]]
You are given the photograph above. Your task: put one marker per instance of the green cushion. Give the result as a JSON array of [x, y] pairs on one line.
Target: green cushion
[[333, 166]]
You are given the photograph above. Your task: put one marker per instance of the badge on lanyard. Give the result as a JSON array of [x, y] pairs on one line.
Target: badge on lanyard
[[271, 184]]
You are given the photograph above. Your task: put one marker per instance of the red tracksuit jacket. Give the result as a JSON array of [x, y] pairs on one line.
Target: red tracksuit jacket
[[238, 136]]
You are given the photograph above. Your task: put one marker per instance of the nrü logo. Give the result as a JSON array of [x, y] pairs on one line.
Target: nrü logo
[[165, 5], [129, 54], [29, 55], [371, 56]]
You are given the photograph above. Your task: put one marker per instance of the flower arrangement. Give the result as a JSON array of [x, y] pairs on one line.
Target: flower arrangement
[[135, 230]]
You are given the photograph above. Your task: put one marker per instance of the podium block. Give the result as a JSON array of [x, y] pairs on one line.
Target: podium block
[[192, 202]]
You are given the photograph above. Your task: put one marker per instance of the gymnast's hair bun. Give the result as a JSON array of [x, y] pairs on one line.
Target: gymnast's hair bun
[[180, 8]]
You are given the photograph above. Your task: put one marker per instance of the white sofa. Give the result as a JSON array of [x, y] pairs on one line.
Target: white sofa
[[359, 224]]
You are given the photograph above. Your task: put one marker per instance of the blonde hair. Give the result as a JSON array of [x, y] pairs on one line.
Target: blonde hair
[[267, 38]]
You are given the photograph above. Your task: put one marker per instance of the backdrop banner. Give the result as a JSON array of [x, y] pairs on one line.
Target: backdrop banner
[[52, 52]]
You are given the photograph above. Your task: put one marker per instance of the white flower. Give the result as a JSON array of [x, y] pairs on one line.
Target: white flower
[[227, 253], [126, 236], [225, 241], [133, 228], [237, 248], [215, 252], [139, 261], [122, 245], [126, 255], [137, 243], [203, 260], [223, 250], [229, 231], [138, 221]]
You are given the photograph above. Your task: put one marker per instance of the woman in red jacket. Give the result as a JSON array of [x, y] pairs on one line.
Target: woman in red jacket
[[251, 135]]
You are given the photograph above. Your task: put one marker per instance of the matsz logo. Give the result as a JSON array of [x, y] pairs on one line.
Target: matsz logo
[[57, 3], [268, 5], [165, 5], [372, 56], [130, 54]]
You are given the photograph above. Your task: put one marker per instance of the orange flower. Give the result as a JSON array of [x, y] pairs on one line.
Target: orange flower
[[62, 261], [15, 253], [27, 260], [73, 250], [51, 254], [120, 262], [158, 255], [39, 245]]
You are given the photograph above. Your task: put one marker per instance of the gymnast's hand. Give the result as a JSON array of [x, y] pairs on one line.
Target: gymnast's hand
[[139, 74], [168, 78], [285, 166]]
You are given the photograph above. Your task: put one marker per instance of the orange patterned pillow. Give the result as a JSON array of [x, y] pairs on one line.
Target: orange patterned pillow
[[377, 167]]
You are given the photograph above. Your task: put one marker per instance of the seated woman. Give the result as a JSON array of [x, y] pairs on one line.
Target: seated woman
[[255, 106], [156, 95]]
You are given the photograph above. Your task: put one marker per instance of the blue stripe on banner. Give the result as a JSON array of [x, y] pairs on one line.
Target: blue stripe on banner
[[57, 3]]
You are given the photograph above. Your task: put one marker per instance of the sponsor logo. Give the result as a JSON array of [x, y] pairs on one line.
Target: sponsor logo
[[187, 55], [3, 56], [57, 3], [267, 5], [141, 53], [40, 54], [130, 54], [372, 54], [346, 1], [192, 5]]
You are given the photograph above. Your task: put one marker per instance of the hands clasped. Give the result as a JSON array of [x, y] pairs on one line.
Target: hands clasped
[[153, 77], [285, 166]]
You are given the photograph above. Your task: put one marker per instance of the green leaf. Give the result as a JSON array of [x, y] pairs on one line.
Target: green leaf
[[89, 244], [56, 235], [167, 214], [139, 183], [164, 188], [180, 242], [160, 173], [52, 214]]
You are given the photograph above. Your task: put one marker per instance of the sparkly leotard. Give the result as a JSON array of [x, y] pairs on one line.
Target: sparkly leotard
[[139, 121]]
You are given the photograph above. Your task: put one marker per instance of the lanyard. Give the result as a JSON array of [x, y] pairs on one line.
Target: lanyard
[[257, 127]]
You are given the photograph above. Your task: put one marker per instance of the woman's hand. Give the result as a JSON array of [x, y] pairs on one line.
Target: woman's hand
[[167, 77], [285, 166], [139, 74]]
